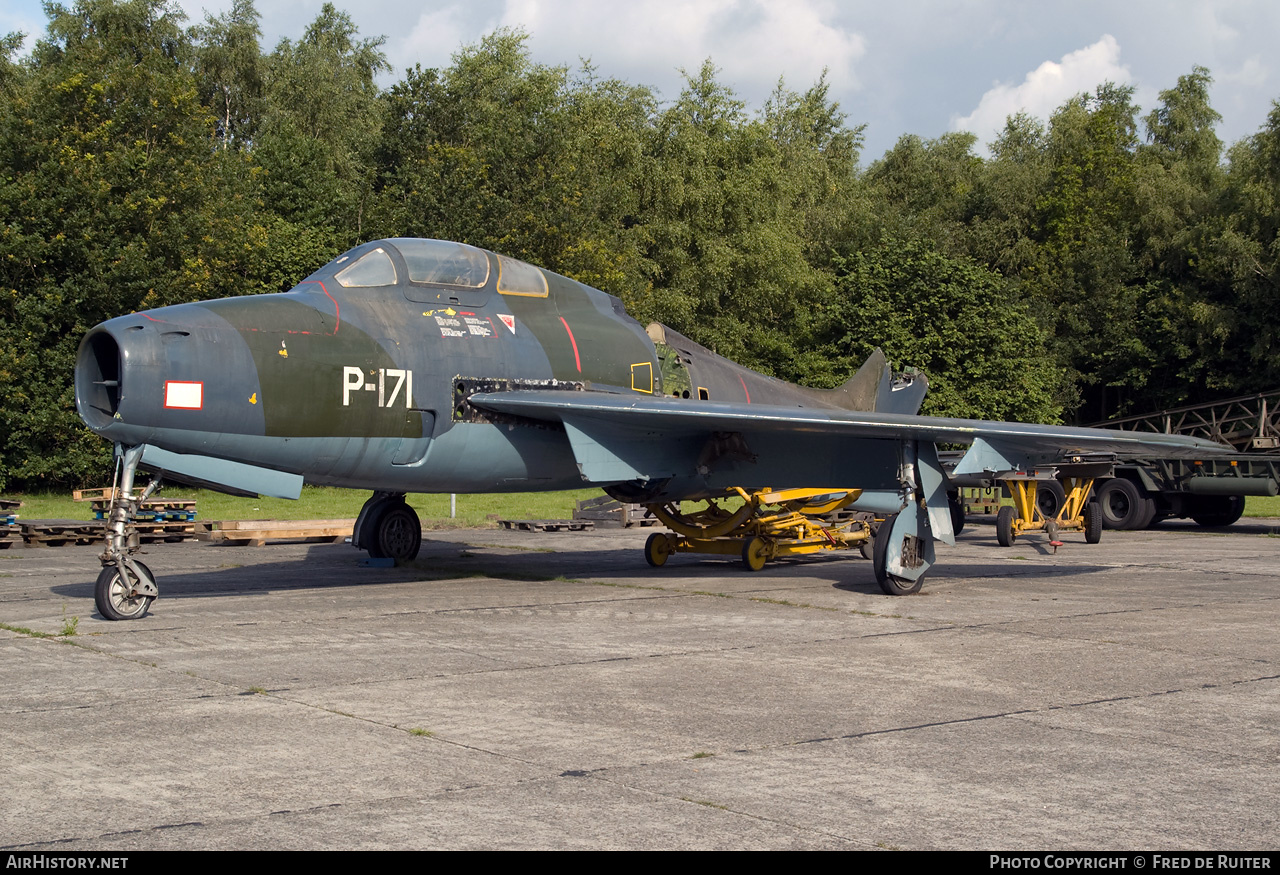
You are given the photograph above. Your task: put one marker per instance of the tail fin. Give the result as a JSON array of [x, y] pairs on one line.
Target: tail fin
[[876, 388]]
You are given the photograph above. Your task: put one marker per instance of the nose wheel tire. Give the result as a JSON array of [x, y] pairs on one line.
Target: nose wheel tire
[[399, 534], [112, 593]]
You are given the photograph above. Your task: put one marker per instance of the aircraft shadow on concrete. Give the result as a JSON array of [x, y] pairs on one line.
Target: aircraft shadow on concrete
[[327, 567]]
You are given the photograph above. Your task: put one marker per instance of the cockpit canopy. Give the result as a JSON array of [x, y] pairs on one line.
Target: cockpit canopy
[[434, 263]]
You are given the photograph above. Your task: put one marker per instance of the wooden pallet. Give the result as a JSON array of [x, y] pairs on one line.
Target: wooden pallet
[[175, 510], [150, 532], [60, 533], [548, 525], [255, 533], [105, 495], [605, 511]]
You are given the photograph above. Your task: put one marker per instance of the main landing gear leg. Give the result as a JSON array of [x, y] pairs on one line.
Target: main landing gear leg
[[126, 587]]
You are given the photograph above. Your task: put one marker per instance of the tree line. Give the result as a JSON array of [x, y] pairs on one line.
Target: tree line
[[1099, 262]]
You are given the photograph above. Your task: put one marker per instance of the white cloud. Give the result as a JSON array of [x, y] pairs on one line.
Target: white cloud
[[433, 39], [1046, 88], [752, 41], [1251, 74]]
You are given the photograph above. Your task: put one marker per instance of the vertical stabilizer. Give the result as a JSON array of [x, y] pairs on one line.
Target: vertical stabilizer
[[874, 388]]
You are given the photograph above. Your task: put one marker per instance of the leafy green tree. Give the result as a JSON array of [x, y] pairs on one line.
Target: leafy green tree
[[984, 354], [1088, 293], [922, 187], [1002, 221], [723, 242], [230, 70], [1247, 256], [1185, 312], [321, 122], [818, 162], [109, 202], [519, 157]]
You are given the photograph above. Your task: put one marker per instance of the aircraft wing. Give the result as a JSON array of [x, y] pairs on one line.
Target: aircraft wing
[[623, 437]]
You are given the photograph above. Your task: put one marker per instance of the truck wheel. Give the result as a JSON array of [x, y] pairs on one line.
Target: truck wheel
[[1050, 497], [1212, 511], [1124, 506]]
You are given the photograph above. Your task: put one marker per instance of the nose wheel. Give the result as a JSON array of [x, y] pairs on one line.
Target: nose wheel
[[124, 595]]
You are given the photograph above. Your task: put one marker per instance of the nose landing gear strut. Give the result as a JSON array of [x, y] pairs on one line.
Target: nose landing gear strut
[[126, 587]]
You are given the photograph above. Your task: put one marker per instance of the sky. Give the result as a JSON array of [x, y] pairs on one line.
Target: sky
[[909, 67]]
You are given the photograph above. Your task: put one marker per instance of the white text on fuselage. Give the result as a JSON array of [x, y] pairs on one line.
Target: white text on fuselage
[[380, 381]]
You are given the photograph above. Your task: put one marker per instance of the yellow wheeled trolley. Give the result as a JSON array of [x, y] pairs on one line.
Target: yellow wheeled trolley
[[769, 524], [1077, 513]]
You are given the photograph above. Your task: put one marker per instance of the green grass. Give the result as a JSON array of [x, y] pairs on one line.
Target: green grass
[[323, 502], [1263, 506]]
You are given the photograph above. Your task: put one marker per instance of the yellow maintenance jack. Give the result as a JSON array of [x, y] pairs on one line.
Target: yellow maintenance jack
[[769, 524], [1077, 513]]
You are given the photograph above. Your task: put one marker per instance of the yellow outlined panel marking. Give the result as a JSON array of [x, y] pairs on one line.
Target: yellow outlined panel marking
[[642, 377]]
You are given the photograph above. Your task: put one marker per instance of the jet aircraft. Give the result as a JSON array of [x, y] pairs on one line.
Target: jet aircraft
[[410, 365]]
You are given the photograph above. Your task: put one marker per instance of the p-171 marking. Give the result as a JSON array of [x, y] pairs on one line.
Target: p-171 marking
[[353, 380]]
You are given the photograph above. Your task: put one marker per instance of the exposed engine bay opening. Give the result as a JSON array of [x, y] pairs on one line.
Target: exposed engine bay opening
[[98, 379], [465, 387]]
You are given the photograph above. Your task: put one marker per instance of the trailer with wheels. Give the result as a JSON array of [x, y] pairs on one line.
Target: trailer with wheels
[[1212, 493]]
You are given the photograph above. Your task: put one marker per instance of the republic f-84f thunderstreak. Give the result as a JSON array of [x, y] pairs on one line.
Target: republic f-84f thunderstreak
[[410, 365]]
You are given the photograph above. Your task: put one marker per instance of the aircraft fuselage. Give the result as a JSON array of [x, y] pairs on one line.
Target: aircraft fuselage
[[358, 377]]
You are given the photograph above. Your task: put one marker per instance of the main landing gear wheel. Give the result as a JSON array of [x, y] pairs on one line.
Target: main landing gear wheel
[[656, 550], [1092, 522], [890, 584], [115, 596], [1004, 526], [398, 534], [755, 553]]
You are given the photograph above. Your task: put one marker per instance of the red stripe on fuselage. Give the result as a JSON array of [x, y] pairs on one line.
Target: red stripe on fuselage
[[744, 388], [576, 360], [337, 312]]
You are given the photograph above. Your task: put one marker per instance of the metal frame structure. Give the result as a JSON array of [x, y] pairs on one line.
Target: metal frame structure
[[1247, 422]]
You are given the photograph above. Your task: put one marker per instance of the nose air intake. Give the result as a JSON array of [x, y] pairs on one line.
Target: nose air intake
[[98, 369]]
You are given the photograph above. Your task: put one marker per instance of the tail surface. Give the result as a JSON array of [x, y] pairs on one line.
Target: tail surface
[[875, 388]]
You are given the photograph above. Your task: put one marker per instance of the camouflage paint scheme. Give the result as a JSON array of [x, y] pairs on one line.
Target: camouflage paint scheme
[[519, 380]]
